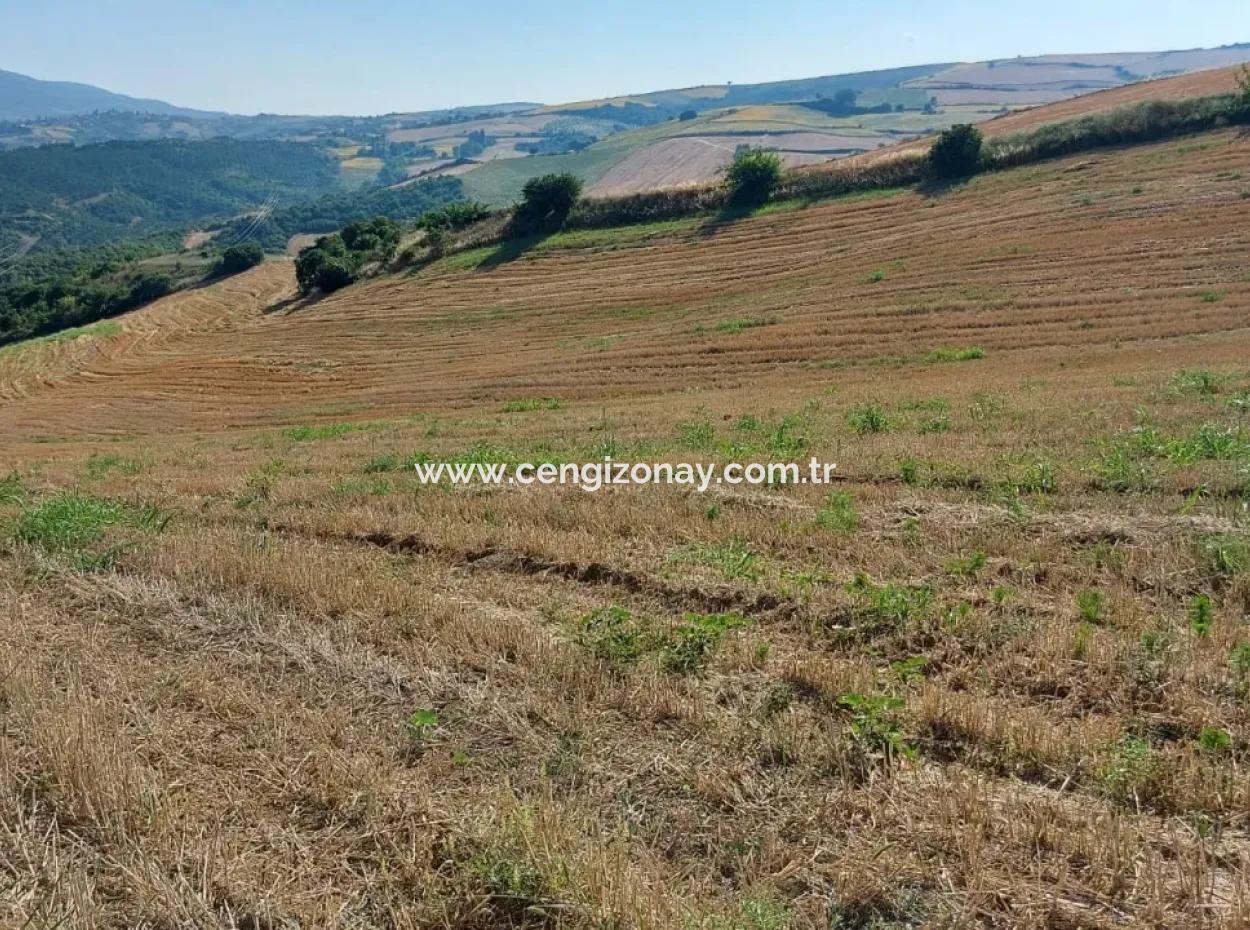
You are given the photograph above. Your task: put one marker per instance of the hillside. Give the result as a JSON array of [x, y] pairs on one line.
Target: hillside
[[1207, 83], [648, 149], [982, 681], [24, 98], [642, 141], [85, 195]]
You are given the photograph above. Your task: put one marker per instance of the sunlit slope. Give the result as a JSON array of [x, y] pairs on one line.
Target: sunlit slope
[[1143, 245], [1182, 87]]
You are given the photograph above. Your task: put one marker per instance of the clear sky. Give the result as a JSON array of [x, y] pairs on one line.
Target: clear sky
[[377, 56]]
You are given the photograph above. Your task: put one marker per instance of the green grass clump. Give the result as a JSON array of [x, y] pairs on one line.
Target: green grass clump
[[838, 513], [697, 434], [694, 641], [317, 433], [1090, 605], [875, 729], [966, 354], [1128, 770], [71, 524], [888, 605], [391, 462], [98, 466], [614, 636], [1224, 555], [1208, 443], [757, 912], [1200, 614], [731, 557], [867, 419], [1201, 382], [1215, 741], [528, 404], [743, 324], [968, 567], [12, 489]]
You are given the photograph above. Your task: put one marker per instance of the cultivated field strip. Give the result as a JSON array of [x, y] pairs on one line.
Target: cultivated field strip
[[1126, 244]]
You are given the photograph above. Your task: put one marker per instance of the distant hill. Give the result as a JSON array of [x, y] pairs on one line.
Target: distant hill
[[23, 98], [66, 195]]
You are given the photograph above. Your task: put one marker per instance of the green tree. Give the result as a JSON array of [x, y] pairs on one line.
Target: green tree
[[752, 176], [239, 258], [372, 240], [546, 203], [436, 240], [454, 215], [327, 266], [148, 287], [956, 153]]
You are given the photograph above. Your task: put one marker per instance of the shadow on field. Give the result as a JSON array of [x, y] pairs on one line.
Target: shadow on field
[[510, 250], [935, 189], [723, 218], [294, 304]]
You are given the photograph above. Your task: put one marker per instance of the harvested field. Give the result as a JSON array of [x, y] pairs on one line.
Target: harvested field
[[699, 160], [1198, 84], [255, 675]]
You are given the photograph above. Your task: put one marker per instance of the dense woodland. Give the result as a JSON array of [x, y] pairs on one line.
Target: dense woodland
[[64, 195], [334, 211]]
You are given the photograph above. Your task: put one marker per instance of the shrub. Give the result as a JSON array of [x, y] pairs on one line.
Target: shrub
[[238, 258], [546, 203], [752, 176], [372, 240], [956, 153], [1143, 122], [148, 287], [326, 266], [436, 240], [454, 216], [647, 207]]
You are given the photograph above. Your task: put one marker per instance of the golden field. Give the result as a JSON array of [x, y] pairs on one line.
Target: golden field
[[253, 676]]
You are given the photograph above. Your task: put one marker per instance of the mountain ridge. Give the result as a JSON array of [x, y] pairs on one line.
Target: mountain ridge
[[25, 97]]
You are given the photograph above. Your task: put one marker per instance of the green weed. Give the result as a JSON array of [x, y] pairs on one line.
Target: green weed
[[731, 557], [838, 513], [530, 404], [868, 419], [966, 354]]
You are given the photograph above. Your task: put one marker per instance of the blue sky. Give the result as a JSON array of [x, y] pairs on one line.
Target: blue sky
[[376, 56]]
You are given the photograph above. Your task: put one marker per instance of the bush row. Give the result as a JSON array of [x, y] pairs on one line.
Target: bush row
[[1148, 121]]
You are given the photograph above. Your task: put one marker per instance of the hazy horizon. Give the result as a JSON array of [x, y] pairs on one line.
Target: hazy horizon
[[380, 57]]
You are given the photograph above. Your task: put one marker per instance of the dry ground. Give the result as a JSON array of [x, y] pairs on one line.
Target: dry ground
[[253, 676]]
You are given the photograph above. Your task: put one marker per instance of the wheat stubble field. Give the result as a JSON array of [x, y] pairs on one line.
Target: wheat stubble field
[[253, 676]]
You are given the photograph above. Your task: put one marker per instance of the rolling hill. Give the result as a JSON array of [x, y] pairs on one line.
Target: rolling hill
[[644, 145], [994, 674], [640, 141], [27, 98]]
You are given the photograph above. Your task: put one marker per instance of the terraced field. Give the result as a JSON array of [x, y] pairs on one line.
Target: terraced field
[[255, 675]]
